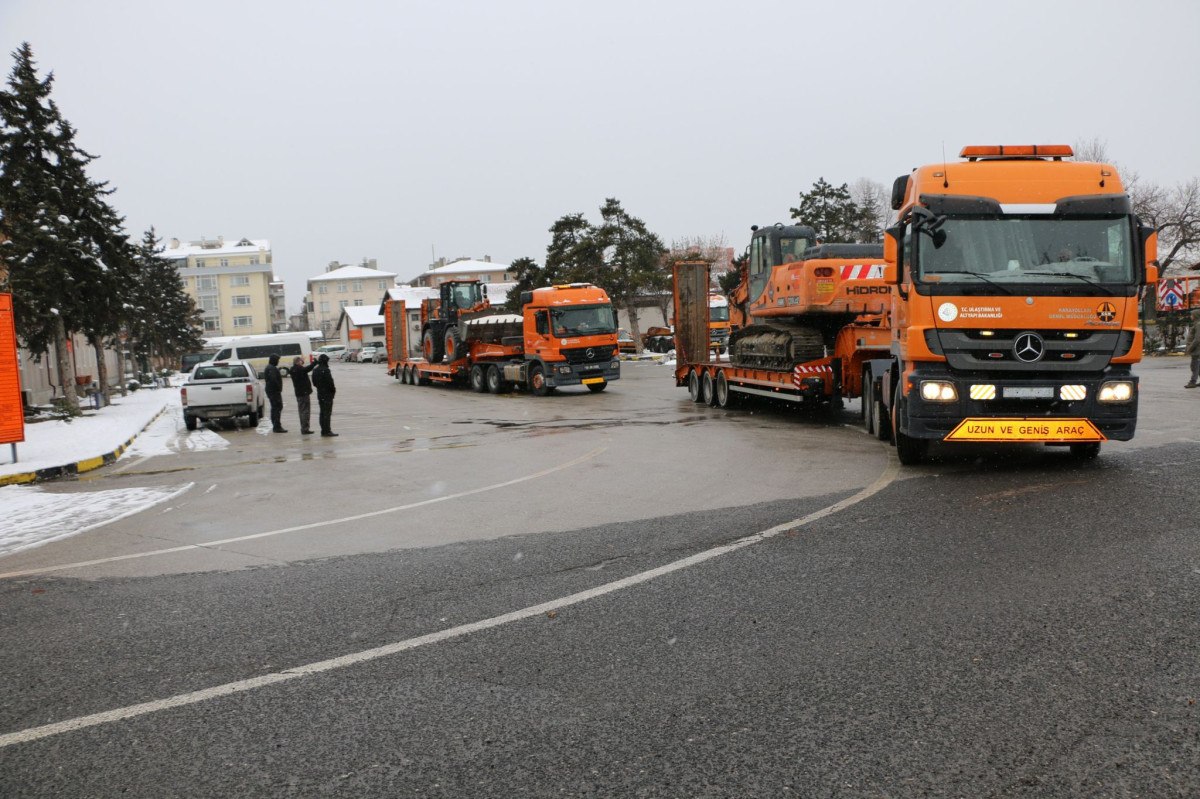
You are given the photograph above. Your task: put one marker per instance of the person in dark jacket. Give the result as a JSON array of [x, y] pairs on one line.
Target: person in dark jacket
[[273, 383], [303, 388], [322, 380]]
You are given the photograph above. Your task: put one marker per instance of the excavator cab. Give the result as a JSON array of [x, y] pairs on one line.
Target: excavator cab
[[772, 246]]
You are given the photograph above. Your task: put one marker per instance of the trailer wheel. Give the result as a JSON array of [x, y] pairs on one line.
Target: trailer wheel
[[722, 394], [694, 386], [879, 415], [910, 451], [478, 379], [431, 346], [189, 422], [706, 390], [1086, 452]]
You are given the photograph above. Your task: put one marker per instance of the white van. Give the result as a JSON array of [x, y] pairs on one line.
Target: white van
[[334, 351], [257, 350]]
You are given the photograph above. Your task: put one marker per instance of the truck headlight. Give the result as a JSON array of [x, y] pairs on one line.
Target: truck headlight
[[1116, 391], [564, 370], [938, 391], [615, 365]]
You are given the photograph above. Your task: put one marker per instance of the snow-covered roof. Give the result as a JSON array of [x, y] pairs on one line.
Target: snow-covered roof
[[469, 265], [216, 247], [410, 295], [353, 273], [361, 315]]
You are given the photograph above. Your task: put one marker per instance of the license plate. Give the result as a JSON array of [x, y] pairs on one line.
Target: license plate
[[1048, 430], [219, 414], [587, 381], [1028, 392]]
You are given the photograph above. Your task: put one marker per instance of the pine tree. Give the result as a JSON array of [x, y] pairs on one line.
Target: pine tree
[[162, 320], [830, 211], [528, 276]]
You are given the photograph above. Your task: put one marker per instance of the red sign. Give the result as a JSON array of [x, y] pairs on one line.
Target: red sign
[[12, 415]]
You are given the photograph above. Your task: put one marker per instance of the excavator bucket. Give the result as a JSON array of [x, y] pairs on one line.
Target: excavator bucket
[[691, 311]]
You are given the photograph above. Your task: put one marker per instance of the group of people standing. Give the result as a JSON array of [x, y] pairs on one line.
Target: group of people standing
[[322, 380]]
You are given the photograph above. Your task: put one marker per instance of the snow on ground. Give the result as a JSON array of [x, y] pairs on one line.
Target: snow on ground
[[61, 442], [35, 516], [168, 436]]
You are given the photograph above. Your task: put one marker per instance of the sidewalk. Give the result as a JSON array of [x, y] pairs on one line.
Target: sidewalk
[[58, 448]]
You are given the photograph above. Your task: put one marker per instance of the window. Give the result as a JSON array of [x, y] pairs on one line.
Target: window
[[239, 280], [357, 286], [358, 303], [254, 260], [209, 304], [241, 299], [343, 303], [342, 287], [377, 330], [325, 307], [212, 325], [322, 289], [215, 372], [243, 321], [206, 283], [224, 262], [383, 285], [200, 263]]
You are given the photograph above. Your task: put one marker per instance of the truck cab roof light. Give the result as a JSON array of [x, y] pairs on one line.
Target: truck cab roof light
[[1016, 151]]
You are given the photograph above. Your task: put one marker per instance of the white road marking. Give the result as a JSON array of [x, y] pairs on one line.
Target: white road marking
[[354, 658], [310, 526]]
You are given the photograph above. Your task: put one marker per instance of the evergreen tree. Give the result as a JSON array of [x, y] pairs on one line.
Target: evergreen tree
[[830, 211], [528, 276], [571, 251], [162, 320]]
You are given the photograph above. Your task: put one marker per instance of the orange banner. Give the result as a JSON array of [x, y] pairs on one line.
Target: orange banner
[[355, 334], [12, 415]]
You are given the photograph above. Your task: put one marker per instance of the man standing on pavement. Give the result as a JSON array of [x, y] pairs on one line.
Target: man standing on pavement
[[273, 382], [303, 388], [1193, 348], [322, 380]]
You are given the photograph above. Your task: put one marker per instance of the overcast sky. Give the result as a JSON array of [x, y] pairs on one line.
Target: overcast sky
[[403, 130]]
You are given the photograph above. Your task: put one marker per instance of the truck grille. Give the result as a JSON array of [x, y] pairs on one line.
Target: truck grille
[[598, 355], [1090, 351]]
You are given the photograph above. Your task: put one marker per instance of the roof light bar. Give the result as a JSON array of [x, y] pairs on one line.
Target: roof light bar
[[1016, 151]]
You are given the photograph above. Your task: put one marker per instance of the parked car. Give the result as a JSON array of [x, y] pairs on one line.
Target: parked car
[[367, 354], [334, 351], [222, 390], [625, 342]]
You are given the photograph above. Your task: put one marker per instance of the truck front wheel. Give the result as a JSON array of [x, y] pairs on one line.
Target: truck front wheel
[[537, 381], [596, 388], [910, 451], [1086, 452]]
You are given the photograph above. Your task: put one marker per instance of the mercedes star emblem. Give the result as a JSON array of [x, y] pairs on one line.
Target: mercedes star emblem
[[1029, 347], [591, 354]]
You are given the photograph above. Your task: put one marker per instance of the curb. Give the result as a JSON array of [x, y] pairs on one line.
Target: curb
[[78, 467]]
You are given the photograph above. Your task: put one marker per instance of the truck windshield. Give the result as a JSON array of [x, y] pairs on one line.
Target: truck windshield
[[583, 320], [1028, 249], [718, 313]]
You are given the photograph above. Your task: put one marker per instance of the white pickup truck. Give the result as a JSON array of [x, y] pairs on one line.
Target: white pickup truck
[[222, 390]]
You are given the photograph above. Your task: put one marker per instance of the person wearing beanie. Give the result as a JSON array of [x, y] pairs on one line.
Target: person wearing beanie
[[322, 380], [273, 383]]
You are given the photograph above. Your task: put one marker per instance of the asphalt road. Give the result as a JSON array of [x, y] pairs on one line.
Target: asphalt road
[[512, 596]]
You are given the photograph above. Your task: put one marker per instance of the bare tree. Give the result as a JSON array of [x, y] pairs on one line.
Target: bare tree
[[873, 202]]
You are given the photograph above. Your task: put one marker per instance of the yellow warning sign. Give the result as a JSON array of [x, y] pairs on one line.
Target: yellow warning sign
[[1036, 429]]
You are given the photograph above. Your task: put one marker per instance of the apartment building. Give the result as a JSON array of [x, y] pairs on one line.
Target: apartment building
[[344, 286], [463, 269], [231, 283]]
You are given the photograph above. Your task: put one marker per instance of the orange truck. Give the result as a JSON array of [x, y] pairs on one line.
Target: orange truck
[[564, 336], [1004, 308], [1017, 276]]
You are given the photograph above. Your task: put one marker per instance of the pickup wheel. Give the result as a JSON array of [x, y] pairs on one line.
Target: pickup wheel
[[189, 422], [478, 379], [537, 381], [252, 419]]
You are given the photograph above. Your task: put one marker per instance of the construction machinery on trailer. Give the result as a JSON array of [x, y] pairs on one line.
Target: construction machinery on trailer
[[564, 336], [1005, 308]]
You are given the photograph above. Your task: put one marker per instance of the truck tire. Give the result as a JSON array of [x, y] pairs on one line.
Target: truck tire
[[431, 346], [596, 388], [910, 451], [495, 382], [537, 381], [451, 346], [722, 396], [189, 422], [694, 386], [478, 379], [864, 410], [706, 389], [879, 415]]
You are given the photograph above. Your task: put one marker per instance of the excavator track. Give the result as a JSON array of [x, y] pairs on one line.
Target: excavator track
[[777, 346]]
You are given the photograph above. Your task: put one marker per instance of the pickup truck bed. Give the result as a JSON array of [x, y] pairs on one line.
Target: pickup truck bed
[[222, 390]]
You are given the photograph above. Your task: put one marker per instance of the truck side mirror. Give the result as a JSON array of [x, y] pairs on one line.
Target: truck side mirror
[[1152, 272], [1149, 237], [893, 249]]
